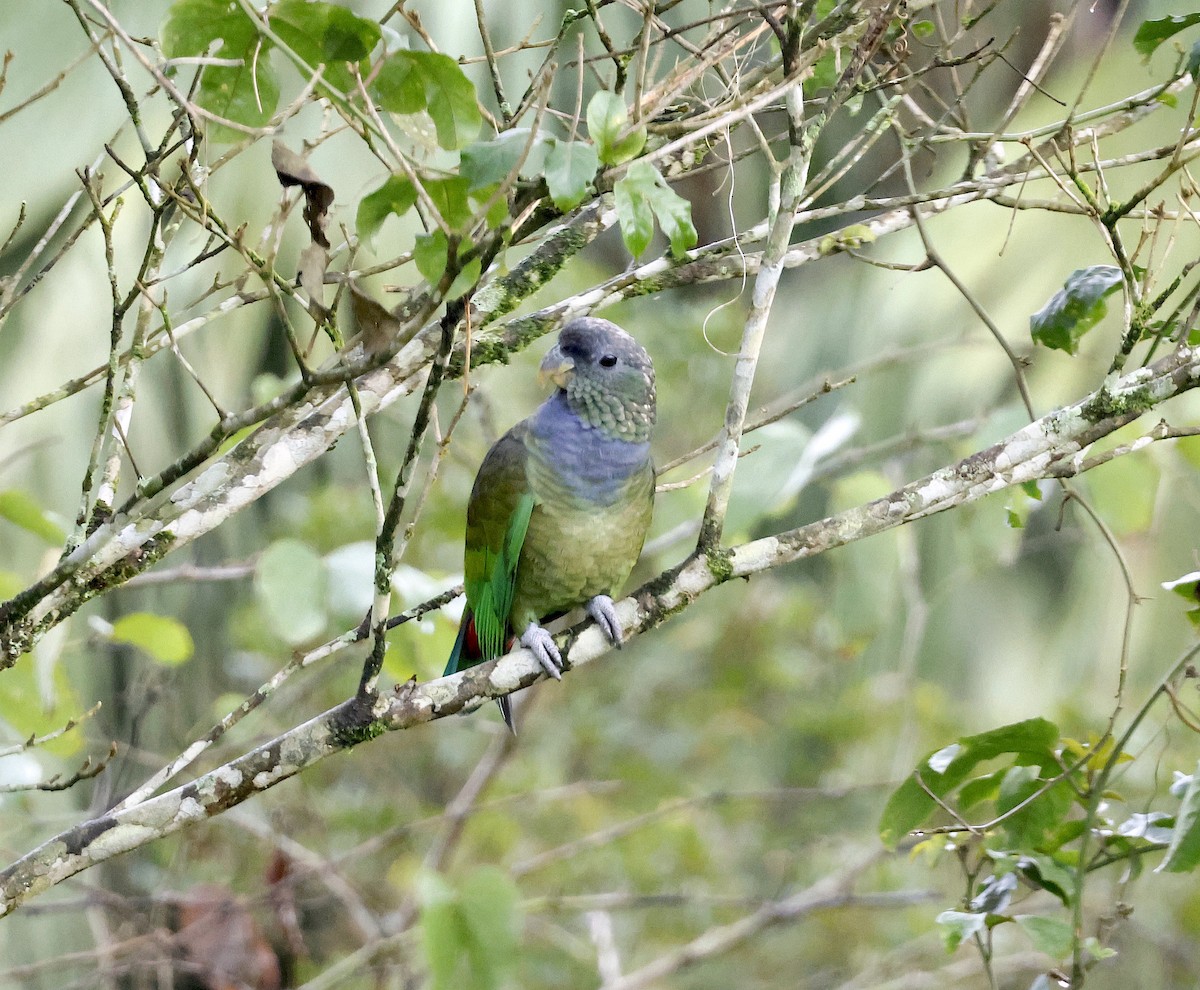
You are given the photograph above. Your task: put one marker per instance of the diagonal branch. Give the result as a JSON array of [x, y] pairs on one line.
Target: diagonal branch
[[1054, 445]]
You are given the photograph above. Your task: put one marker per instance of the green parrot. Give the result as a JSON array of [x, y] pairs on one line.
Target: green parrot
[[560, 507]]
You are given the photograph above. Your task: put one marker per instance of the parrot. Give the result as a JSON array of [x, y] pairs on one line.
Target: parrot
[[560, 507]]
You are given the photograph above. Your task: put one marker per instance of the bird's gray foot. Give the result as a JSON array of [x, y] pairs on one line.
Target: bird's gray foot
[[601, 609], [542, 645]]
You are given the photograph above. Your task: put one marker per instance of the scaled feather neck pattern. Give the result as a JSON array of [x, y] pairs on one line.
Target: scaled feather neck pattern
[[620, 417]]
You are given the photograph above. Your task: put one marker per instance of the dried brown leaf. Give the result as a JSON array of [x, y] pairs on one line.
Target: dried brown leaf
[[380, 327], [293, 170], [314, 259]]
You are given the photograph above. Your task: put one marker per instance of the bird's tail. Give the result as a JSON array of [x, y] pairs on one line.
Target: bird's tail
[[461, 650], [505, 704], [466, 654]]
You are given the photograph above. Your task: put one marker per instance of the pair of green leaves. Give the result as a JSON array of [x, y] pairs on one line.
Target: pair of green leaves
[[641, 195], [1053, 936], [568, 166], [1028, 748], [456, 203], [315, 34]]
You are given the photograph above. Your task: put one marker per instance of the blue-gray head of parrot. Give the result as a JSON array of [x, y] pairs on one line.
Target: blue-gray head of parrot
[[606, 376]]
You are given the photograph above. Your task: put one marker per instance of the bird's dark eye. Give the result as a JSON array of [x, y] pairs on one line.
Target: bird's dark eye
[[608, 360]]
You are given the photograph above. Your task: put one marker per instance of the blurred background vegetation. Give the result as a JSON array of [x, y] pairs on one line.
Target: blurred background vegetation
[[739, 753]]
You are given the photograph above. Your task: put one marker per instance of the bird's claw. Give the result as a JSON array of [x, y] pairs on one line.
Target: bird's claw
[[541, 644], [602, 609]]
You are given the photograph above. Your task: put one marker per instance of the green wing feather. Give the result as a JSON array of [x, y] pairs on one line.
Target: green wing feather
[[493, 594], [498, 515]]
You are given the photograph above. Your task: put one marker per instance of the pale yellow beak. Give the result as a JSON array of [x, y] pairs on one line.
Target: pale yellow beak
[[556, 367]]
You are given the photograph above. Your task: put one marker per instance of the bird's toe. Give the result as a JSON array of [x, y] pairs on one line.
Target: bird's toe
[[602, 609], [542, 645]]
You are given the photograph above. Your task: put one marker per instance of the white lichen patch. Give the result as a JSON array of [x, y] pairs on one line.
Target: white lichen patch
[[277, 463], [228, 776], [213, 479], [126, 836], [281, 771], [190, 810], [1019, 449], [506, 675], [189, 525], [441, 691]]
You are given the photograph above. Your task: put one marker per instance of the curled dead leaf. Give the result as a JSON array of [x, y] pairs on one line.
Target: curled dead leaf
[[381, 329], [314, 259], [293, 170]]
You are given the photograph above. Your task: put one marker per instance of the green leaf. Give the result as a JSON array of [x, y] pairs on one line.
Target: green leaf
[[634, 213], [399, 85], [450, 198], [824, 72], [944, 769], [246, 93], [1151, 34], [1052, 936], [1187, 587], [443, 936], [429, 254], [1076, 308], [642, 195], [162, 638], [20, 509], [606, 115], [1092, 946], [409, 82], [326, 34], [394, 198], [570, 168], [1184, 851], [922, 29], [470, 935], [451, 101], [674, 215], [607, 120], [486, 163], [465, 279], [1066, 832], [192, 26], [1051, 876], [957, 926], [290, 583], [488, 901], [38, 697]]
